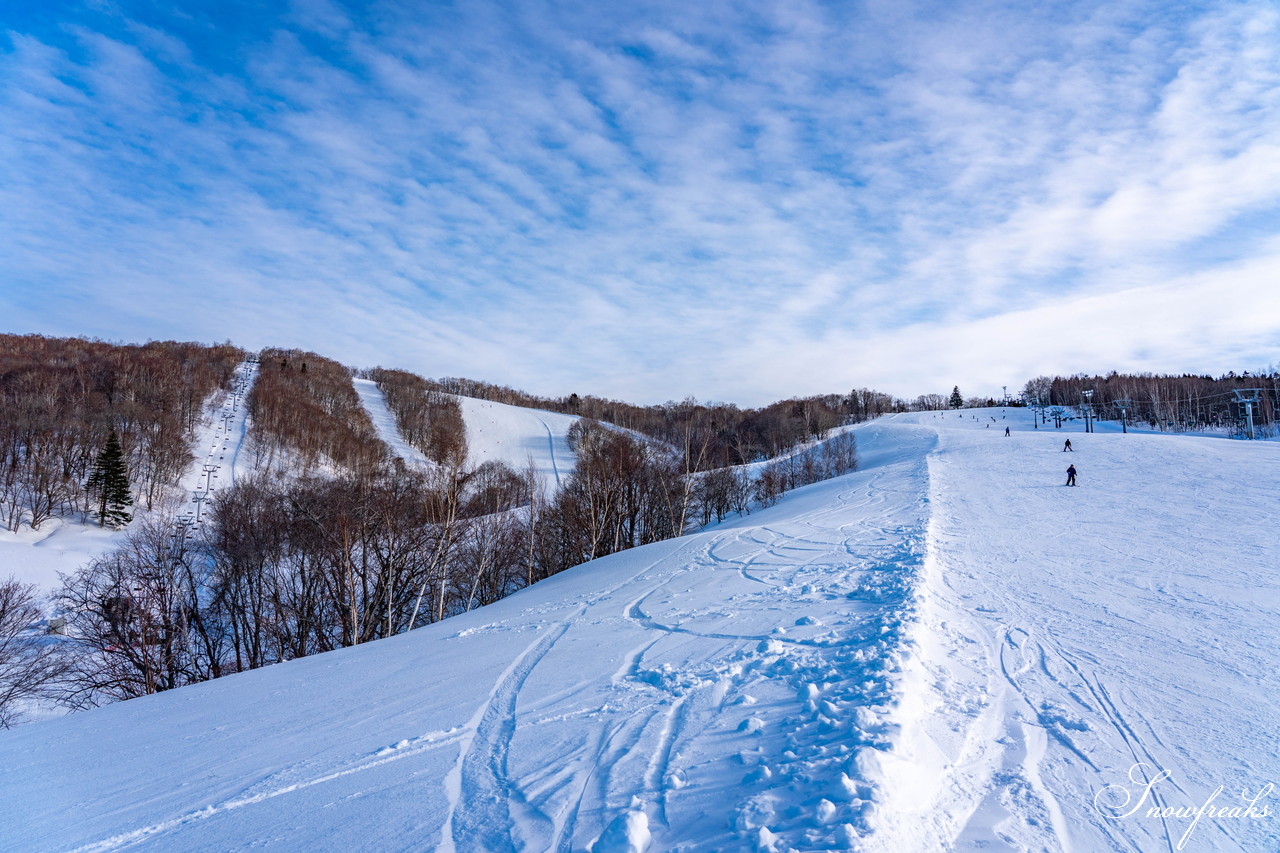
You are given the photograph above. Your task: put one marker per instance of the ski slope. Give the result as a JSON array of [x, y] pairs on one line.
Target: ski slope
[[518, 437], [384, 421], [220, 439], [1080, 640], [62, 545], [496, 432], [946, 649]]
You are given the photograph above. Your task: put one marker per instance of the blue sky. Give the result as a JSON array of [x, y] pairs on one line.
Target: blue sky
[[736, 201]]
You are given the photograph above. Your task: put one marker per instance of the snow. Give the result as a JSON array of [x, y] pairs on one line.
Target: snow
[[1078, 633], [62, 545], [515, 436], [628, 833], [220, 439], [384, 421], [947, 649]]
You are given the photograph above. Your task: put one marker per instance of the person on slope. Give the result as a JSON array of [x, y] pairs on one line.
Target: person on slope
[[1067, 446], [1006, 432], [1071, 475]]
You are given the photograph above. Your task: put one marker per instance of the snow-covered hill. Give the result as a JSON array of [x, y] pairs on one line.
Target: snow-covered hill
[[510, 434], [384, 421], [517, 436], [944, 650]]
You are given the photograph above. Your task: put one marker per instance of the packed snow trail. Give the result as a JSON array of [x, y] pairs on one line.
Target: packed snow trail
[[384, 421], [1079, 641], [716, 692], [517, 436]]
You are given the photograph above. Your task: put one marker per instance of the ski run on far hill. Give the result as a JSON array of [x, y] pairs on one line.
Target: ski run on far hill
[[947, 649], [513, 435]]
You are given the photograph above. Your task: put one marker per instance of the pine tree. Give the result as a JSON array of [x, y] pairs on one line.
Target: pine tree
[[108, 483], [956, 400]]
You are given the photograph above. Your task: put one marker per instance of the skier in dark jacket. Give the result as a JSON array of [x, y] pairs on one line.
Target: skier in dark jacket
[[1067, 446], [1006, 432], [1071, 475]]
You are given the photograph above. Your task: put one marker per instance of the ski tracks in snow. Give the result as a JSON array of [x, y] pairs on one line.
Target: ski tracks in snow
[[1044, 639], [786, 705], [551, 451], [274, 786], [492, 810], [748, 711], [481, 796]]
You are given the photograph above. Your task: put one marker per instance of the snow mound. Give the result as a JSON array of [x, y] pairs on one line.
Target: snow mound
[[627, 833]]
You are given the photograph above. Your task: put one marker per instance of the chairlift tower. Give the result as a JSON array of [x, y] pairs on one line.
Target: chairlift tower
[[1124, 404], [1247, 397]]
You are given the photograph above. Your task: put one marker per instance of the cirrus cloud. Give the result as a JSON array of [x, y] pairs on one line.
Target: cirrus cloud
[[735, 201]]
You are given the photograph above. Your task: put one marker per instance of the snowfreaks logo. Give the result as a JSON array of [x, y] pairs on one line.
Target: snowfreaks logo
[[1117, 802]]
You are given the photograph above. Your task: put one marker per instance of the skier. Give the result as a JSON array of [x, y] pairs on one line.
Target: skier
[[1006, 432], [1071, 475], [1067, 446]]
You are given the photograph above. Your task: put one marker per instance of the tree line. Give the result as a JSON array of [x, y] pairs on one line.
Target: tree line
[[306, 413], [1166, 402], [426, 417], [715, 435], [63, 400]]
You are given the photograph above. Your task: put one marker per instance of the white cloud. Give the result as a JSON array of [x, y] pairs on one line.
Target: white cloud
[[776, 200]]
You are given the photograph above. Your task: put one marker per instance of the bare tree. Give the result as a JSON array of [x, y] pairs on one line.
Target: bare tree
[[135, 622], [62, 397], [306, 404], [29, 663]]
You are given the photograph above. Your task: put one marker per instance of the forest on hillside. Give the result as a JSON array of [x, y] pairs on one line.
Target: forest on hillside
[[712, 435], [332, 540], [62, 399]]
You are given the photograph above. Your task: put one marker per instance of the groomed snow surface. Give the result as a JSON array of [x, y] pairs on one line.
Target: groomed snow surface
[[519, 437], [947, 649], [384, 421]]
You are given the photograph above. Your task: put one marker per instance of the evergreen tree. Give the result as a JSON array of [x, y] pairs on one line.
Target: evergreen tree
[[956, 400], [108, 484]]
